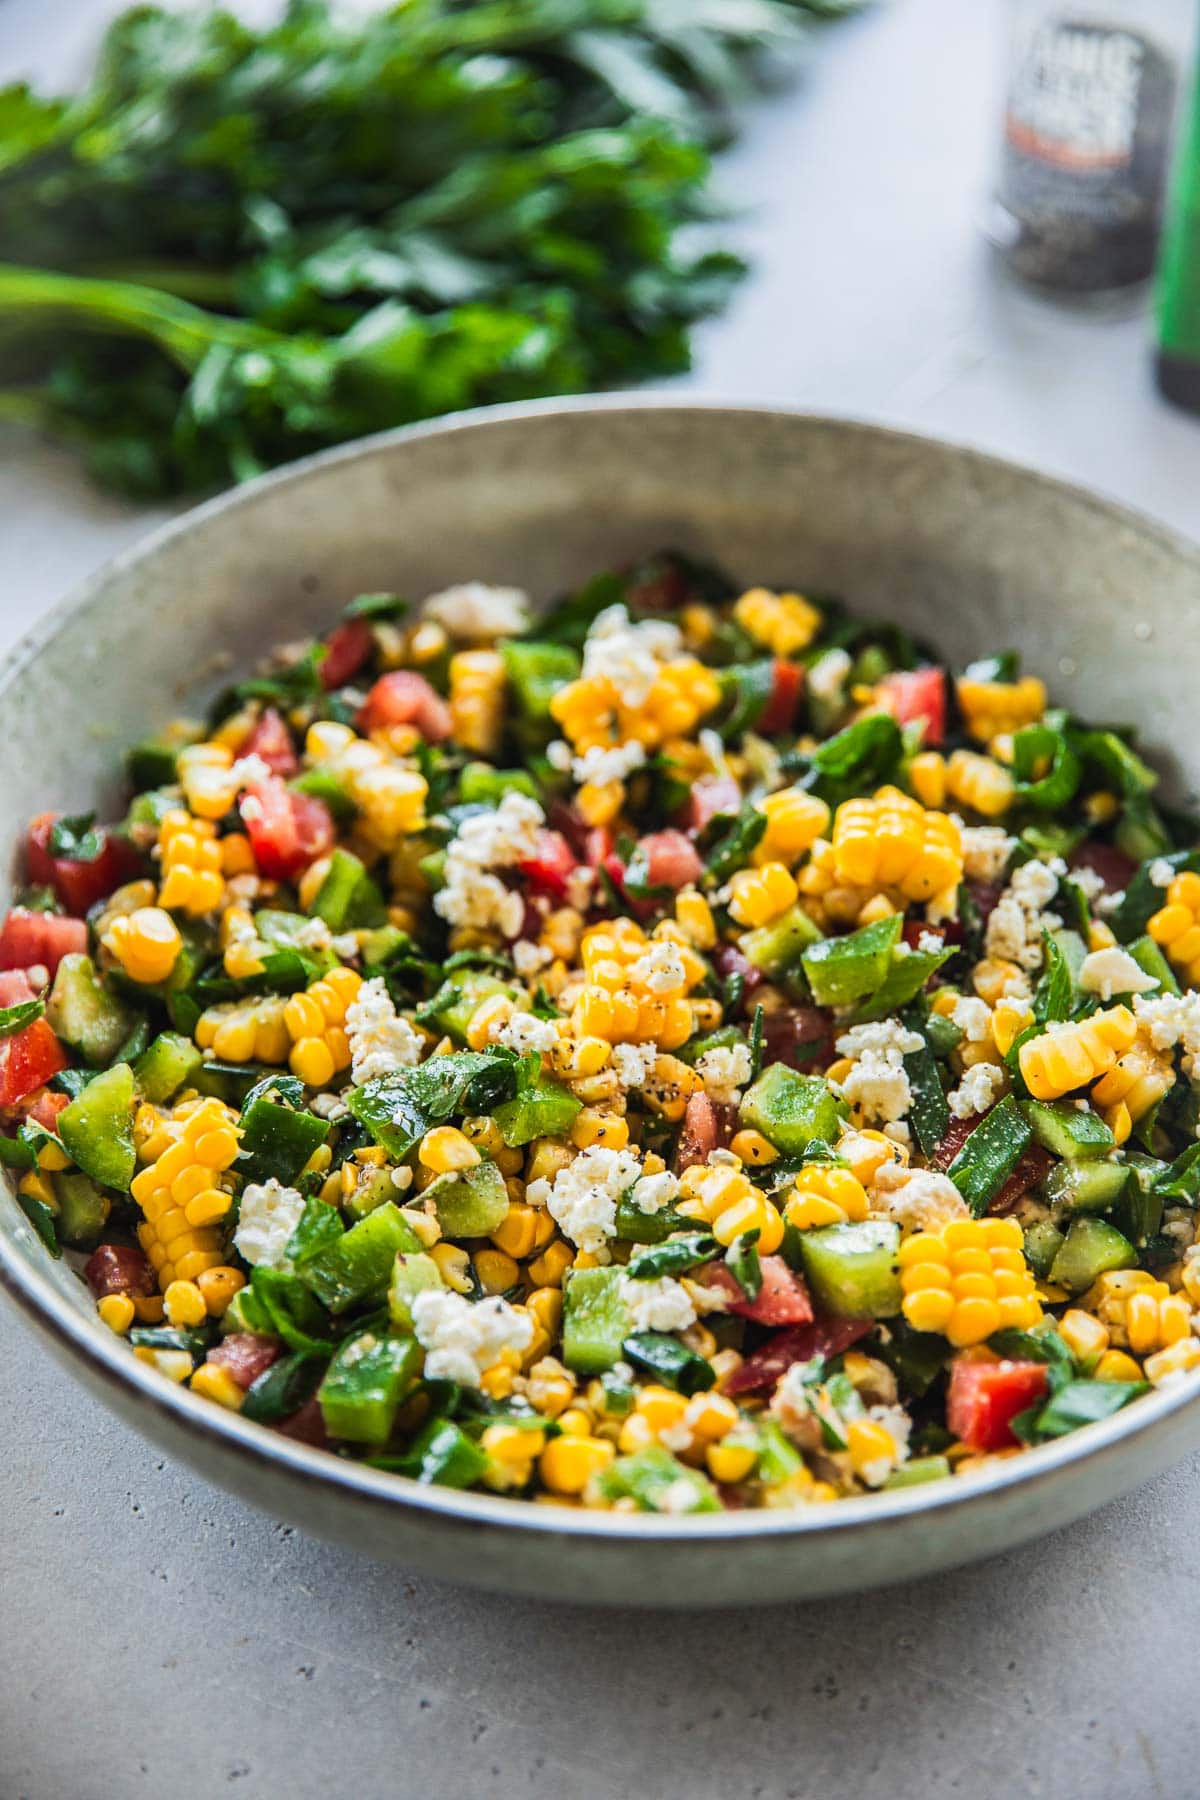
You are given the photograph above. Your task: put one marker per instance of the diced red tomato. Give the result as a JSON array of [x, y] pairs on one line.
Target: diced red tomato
[[799, 1343], [44, 1107], [916, 697], [272, 741], [346, 650], [287, 831], [729, 960], [783, 1299], [660, 584], [787, 685], [798, 1036], [37, 939], [30, 1057], [985, 1397], [701, 1132], [670, 859], [985, 895], [78, 885], [118, 1269], [245, 1356], [15, 987], [306, 1426], [1115, 869], [1032, 1166], [551, 866], [957, 1133], [711, 795], [406, 698]]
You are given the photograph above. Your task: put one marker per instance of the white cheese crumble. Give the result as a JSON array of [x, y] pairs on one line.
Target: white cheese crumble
[[1171, 1019], [897, 1424], [1089, 882], [973, 1018], [380, 1040], [652, 1192], [877, 1085], [524, 1032], [827, 676], [917, 1199], [529, 958], [268, 1215], [660, 969], [725, 1070], [599, 766], [496, 839], [1020, 916], [982, 1084], [662, 1305], [634, 1063], [329, 1106], [629, 655], [247, 771], [1113, 971], [582, 1200], [315, 934], [463, 1338], [1160, 872], [475, 610], [986, 850]]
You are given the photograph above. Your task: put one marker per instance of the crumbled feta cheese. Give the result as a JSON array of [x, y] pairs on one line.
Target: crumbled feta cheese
[[463, 1338], [475, 610], [1160, 872], [634, 1063], [496, 839], [599, 766], [1114, 971], [724, 1071], [898, 1425], [827, 676], [267, 1217], [583, 1197], [329, 1106], [678, 1496], [558, 755], [345, 946], [529, 958], [652, 1192], [580, 883], [1020, 916], [981, 1084], [660, 969], [986, 850], [629, 655], [247, 771], [315, 934], [1089, 882], [1171, 1019], [877, 1085], [917, 1199], [931, 942], [663, 1305], [380, 1040], [524, 1032], [973, 1018]]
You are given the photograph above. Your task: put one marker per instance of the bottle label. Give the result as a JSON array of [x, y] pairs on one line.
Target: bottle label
[[1074, 97]]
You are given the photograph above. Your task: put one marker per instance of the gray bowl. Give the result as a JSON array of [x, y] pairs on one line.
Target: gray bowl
[[971, 552]]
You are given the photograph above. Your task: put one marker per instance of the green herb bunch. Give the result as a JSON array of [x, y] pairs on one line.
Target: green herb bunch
[[240, 245]]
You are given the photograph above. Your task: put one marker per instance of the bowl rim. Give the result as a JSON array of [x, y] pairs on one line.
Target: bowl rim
[[108, 1357]]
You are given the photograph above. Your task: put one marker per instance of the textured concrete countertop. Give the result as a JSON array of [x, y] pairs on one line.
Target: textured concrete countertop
[[163, 1638]]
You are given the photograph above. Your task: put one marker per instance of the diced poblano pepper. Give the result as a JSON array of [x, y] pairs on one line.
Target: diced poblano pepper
[[778, 948], [544, 1109], [596, 1320], [469, 1202], [412, 1275], [348, 899], [169, 1063], [83, 1209], [854, 1270], [84, 1014], [97, 1128], [1091, 1249], [358, 1267], [791, 1109], [849, 968], [658, 1482], [464, 994], [364, 1385]]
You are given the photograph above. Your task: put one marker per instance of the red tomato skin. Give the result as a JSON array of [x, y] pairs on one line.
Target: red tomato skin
[[272, 741], [287, 831], [77, 885], [797, 1343], [15, 987], [32, 939], [118, 1269], [671, 859], [307, 1426], [1115, 869], [783, 1298], [551, 866], [405, 698], [985, 1397], [711, 795], [787, 686], [916, 696], [27, 1061], [347, 648], [45, 1107], [701, 1132], [1031, 1166], [245, 1356]]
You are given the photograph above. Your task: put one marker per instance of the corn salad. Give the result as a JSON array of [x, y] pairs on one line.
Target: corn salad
[[696, 1052]]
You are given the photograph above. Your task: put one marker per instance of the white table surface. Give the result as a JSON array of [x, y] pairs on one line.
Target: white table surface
[[162, 1638]]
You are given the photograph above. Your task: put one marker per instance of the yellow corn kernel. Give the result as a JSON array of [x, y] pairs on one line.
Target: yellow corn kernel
[[551, 1266], [782, 623], [184, 1305], [1115, 1365], [146, 943], [591, 1126], [117, 1312], [237, 857], [1067, 1056], [1084, 1335], [549, 1387], [176, 1365], [758, 896], [753, 1148], [968, 1280], [192, 881], [1009, 1019], [729, 1463], [1138, 1080], [218, 1286], [825, 1195], [991, 977], [710, 1416], [865, 1152], [694, 917], [216, 1383], [795, 820], [927, 777], [868, 1443], [1176, 926], [546, 1305], [495, 1271], [446, 1150], [453, 1263], [891, 841], [1177, 1359], [992, 707], [477, 688], [754, 1213], [978, 782], [662, 1408], [568, 1463], [202, 1143]]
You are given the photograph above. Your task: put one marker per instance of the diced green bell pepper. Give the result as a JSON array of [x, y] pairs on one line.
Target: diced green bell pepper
[[791, 1109], [357, 1268], [536, 671], [596, 1320], [481, 785], [82, 1209], [778, 1458], [469, 1202], [441, 1454], [282, 1389], [849, 968], [920, 1470], [169, 1063], [320, 1226], [1091, 1248], [365, 1384], [322, 784], [853, 1270], [778, 948], [1150, 959], [84, 1014], [411, 1275], [151, 765], [658, 1482], [277, 1141], [348, 899], [97, 1128], [544, 1109], [990, 1155]]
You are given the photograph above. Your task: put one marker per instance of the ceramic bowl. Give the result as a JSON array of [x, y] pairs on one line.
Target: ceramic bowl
[[968, 551]]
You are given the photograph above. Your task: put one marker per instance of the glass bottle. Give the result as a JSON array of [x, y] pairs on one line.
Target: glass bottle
[[1178, 362]]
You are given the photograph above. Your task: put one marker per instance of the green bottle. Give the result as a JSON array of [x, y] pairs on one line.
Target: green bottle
[[1178, 364]]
